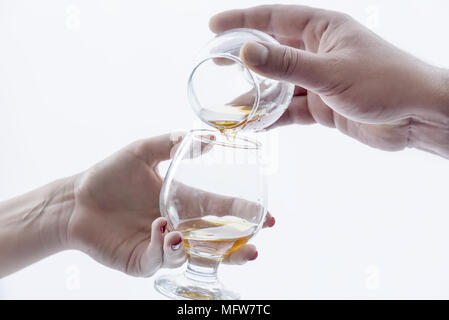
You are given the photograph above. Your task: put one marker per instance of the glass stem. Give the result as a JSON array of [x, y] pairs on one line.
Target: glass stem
[[202, 269]]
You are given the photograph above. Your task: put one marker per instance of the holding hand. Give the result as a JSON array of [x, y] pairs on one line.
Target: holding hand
[[110, 212], [347, 77]]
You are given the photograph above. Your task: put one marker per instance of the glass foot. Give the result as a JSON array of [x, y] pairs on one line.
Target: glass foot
[[181, 287]]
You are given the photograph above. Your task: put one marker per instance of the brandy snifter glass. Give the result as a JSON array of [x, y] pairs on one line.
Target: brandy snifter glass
[[215, 194], [227, 95]]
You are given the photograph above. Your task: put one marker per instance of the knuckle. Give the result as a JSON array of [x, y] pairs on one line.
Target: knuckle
[[334, 15], [155, 223], [339, 19], [289, 62], [342, 16]]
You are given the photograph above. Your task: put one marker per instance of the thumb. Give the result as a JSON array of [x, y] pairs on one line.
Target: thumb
[[159, 148], [153, 256], [300, 67]]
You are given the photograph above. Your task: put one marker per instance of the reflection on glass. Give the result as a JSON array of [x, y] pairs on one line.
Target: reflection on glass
[[214, 194], [226, 95]]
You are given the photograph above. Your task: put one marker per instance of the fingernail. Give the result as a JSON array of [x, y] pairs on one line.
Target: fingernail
[[176, 245], [255, 54], [272, 222], [164, 227], [255, 256]]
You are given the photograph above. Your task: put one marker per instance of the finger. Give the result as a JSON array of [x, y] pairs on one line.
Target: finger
[[157, 149], [297, 113], [193, 202], [320, 111], [174, 255], [284, 120], [223, 61], [280, 20], [269, 222], [152, 258], [223, 206], [246, 99], [305, 69], [200, 146], [245, 253], [299, 91]]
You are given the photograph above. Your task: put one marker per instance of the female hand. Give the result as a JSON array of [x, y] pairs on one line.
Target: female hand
[[110, 212], [116, 218]]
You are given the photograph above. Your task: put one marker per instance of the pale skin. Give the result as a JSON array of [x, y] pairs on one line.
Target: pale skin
[[110, 212], [347, 77]]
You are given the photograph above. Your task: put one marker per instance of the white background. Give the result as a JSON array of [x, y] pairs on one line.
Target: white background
[[81, 79]]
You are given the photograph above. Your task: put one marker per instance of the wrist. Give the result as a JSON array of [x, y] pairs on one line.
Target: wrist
[[57, 209], [443, 94], [34, 225], [430, 120], [434, 108]]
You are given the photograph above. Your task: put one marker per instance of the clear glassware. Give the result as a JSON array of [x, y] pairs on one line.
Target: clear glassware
[[225, 94], [215, 194]]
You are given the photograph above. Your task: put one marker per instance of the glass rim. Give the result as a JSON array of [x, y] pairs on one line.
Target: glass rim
[[196, 106], [261, 34], [237, 142]]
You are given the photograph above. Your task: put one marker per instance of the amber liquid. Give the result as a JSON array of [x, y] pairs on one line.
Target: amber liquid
[[225, 125], [215, 236], [236, 119], [228, 128], [228, 116]]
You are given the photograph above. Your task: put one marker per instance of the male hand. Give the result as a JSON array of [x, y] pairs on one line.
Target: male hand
[[347, 77]]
